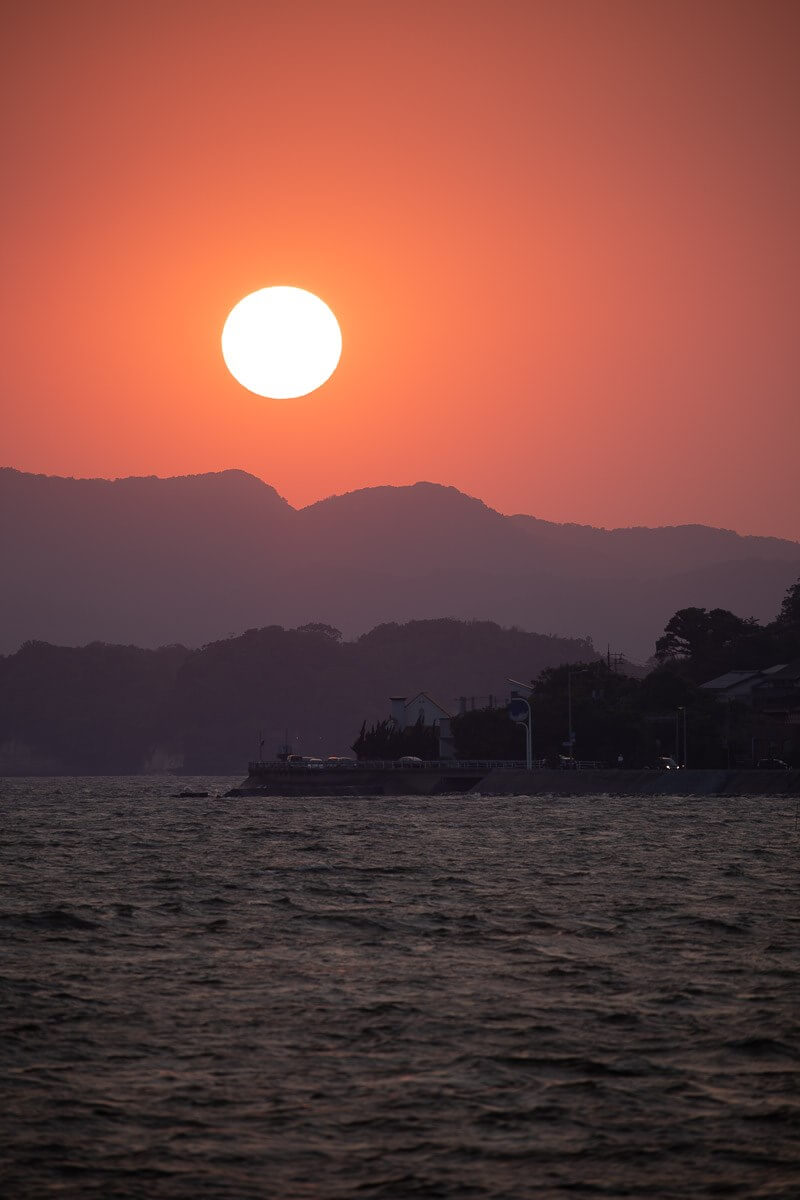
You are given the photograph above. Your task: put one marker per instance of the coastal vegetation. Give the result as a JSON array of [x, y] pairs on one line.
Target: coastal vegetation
[[615, 717], [384, 740]]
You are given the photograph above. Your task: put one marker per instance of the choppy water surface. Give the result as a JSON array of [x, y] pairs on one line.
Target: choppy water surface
[[396, 998]]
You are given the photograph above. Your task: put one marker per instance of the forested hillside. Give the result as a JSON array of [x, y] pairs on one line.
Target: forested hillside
[[105, 708]]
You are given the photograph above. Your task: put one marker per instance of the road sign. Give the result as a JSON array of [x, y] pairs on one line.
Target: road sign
[[517, 709]]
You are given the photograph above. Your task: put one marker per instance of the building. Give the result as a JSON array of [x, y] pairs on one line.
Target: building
[[768, 705], [740, 685], [777, 693], [428, 711]]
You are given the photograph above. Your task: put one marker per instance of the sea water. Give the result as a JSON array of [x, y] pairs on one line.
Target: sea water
[[373, 997]]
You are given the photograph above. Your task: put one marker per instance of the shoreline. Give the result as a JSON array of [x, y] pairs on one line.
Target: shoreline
[[700, 782], [440, 780]]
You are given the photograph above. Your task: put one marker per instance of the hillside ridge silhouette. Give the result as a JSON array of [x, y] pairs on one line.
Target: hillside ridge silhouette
[[153, 561]]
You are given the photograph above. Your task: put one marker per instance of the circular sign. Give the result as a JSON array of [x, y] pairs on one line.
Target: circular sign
[[517, 709]]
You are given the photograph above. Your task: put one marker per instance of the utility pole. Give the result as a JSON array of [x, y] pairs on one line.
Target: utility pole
[[685, 751], [570, 735]]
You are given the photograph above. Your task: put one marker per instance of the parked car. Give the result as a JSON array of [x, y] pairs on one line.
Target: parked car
[[772, 764], [409, 760], [304, 760]]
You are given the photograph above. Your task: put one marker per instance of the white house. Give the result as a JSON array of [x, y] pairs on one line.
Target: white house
[[423, 707]]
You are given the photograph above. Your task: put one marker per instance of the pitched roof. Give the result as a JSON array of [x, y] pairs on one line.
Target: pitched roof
[[785, 671], [729, 679], [429, 697]]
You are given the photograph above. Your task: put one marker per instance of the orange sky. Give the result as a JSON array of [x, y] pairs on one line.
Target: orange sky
[[561, 239]]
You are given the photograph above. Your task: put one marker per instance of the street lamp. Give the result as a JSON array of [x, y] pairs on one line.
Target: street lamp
[[519, 710], [681, 709]]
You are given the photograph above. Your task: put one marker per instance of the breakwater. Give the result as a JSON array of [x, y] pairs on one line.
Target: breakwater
[[389, 779], [640, 783], [441, 778]]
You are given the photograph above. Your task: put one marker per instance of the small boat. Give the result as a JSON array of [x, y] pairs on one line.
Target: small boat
[[186, 794]]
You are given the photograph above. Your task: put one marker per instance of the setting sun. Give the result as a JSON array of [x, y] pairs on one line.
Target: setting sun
[[281, 342]]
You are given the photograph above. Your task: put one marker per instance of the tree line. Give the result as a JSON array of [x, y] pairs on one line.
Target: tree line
[[592, 712]]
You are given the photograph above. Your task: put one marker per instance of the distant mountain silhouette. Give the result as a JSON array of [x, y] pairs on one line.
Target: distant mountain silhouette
[[154, 561]]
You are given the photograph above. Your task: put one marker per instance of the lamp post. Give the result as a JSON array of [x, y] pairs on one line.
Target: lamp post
[[728, 733], [519, 710], [680, 711], [685, 747]]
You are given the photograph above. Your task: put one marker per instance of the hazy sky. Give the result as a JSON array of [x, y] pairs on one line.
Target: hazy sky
[[561, 240]]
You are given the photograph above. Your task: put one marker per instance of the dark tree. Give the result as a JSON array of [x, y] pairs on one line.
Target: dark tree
[[386, 741], [789, 616], [709, 642], [605, 706], [381, 740], [488, 733]]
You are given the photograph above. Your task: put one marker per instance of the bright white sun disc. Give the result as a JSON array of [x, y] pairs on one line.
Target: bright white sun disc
[[281, 342]]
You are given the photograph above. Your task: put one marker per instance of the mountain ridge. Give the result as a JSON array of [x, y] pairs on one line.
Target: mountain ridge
[[237, 473], [152, 560]]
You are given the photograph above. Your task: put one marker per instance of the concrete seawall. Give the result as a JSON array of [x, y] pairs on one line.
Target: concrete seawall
[[416, 781], [639, 783], [440, 780]]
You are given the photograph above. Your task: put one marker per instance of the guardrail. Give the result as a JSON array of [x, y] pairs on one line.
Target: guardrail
[[381, 764]]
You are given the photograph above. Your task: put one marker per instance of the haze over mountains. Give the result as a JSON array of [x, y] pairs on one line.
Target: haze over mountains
[[151, 561], [103, 708]]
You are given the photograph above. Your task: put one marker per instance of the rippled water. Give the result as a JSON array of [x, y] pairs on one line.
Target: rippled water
[[396, 997]]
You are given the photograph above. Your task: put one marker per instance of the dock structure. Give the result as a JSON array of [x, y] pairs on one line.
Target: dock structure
[[368, 778], [492, 777]]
